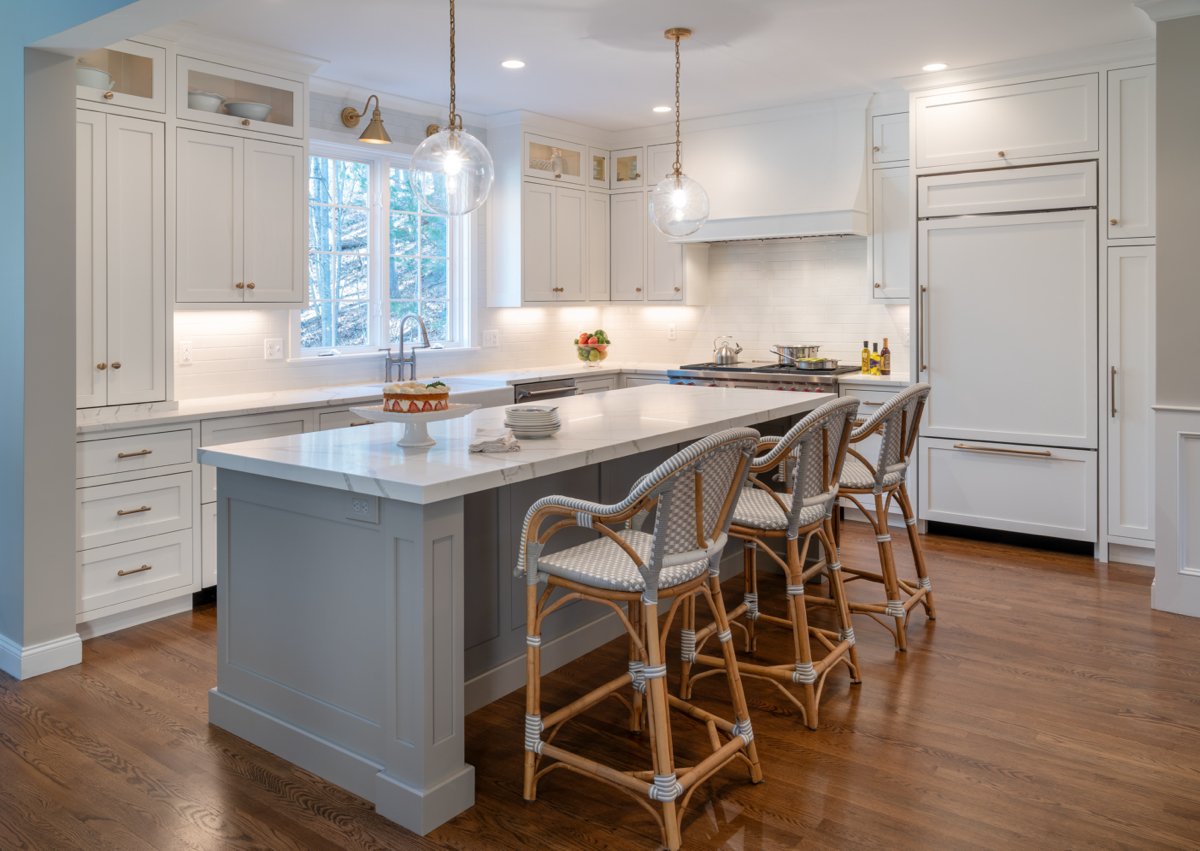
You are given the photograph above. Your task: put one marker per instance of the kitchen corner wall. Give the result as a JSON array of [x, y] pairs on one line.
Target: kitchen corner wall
[[790, 291]]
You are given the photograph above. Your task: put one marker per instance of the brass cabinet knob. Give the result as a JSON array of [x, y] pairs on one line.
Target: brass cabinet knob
[[101, 366], [245, 122], [240, 285], [116, 364], [108, 95], [677, 289], [1000, 153], [1112, 221], [250, 285], [878, 285], [875, 148], [637, 289]]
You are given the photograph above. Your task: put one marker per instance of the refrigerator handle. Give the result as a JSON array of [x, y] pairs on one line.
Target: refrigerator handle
[[923, 328]]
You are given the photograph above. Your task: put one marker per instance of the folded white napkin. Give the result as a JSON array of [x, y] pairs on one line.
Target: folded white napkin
[[494, 440]]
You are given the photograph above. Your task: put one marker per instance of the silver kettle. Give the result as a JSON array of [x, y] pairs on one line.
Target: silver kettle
[[725, 354]]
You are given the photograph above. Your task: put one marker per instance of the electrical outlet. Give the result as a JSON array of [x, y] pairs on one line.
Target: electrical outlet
[[364, 508], [273, 348], [671, 331], [491, 339], [185, 351]]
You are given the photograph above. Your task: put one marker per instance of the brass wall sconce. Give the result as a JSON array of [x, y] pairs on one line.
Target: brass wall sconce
[[375, 134]]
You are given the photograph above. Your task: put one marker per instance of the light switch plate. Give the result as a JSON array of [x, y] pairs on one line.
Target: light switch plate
[[273, 348], [491, 339]]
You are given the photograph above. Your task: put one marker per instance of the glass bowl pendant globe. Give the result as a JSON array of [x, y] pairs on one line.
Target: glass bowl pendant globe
[[451, 173], [678, 205]]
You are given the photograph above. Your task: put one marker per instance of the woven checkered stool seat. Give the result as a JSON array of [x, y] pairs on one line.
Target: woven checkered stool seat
[[808, 459], [633, 571], [882, 479]]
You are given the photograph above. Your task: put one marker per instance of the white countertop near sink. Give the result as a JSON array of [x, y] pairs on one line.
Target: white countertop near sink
[[91, 420]]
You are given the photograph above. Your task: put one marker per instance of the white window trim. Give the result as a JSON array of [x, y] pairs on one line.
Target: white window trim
[[460, 235]]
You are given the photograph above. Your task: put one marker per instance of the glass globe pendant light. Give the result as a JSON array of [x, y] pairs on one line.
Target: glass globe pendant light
[[451, 171], [678, 204]]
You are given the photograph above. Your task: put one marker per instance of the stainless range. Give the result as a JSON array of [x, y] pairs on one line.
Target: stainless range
[[760, 375]]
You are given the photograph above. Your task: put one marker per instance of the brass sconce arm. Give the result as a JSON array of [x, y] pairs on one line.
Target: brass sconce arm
[[375, 133], [351, 116]]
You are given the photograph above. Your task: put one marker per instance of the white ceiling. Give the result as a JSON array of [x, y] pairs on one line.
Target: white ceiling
[[606, 63]]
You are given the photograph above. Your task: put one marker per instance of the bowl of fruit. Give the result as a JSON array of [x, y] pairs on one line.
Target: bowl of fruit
[[592, 346]]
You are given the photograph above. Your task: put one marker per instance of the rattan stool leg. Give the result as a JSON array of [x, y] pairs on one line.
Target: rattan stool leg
[[750, 592], [918, 550], [887, 564], [837, 590], [533, 686], [804, 674], [637, 708], [659, 720], [687, 651], [737, 694]]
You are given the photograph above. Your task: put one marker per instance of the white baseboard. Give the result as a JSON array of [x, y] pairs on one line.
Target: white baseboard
[[28, 661], [133, 617], [1129, 554]]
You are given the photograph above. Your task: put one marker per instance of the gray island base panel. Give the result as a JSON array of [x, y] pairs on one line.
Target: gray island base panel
[[366, 595]]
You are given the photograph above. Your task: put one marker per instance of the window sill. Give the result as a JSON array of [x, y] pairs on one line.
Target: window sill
[[357, 356]]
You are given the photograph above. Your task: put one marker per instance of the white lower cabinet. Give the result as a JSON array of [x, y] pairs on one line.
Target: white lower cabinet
[[1035, 490], [136, 516], [327, 420], [598, 384], [1131, 285], [640, 380]]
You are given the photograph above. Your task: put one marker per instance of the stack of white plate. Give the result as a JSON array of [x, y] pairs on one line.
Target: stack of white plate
[[532, 420]]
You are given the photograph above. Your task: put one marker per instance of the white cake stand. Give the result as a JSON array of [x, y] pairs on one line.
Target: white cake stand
[[415, 431]]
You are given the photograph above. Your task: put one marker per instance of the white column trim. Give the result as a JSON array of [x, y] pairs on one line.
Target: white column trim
[[1168, 10], [1177, 512], [31, 660]]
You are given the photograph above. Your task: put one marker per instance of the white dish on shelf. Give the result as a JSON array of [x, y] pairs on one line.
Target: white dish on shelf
[[205, 101], [93, 78], [415, 431], [248, 109]]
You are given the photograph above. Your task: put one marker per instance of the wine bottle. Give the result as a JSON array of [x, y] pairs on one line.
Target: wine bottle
[[885, 359]]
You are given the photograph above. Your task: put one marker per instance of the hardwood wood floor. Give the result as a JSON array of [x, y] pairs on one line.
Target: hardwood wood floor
[[1047, 707]]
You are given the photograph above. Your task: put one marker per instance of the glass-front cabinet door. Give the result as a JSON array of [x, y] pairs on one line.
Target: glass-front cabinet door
[[234, 97], [627, 168], [554, 159], [127, 73], [598, 173]]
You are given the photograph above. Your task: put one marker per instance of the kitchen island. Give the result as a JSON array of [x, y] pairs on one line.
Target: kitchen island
[[365, 592]]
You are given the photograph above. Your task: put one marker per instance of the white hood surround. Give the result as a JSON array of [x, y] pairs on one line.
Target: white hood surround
[[794, 172]]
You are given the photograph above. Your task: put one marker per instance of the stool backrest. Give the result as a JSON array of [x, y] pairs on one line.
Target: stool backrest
[[899, 421], [695, 490]]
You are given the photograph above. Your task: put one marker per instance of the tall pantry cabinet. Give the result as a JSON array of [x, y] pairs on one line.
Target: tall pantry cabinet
[[120, 260]]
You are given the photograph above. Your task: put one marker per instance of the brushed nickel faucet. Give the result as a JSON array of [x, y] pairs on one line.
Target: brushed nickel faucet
[[409, 358]]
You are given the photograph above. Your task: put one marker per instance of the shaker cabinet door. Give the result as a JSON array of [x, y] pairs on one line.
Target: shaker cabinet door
[[274, 246], [91, 261], [208, 223]]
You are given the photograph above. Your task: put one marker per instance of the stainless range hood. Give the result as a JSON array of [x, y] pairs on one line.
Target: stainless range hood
[[794, 172]]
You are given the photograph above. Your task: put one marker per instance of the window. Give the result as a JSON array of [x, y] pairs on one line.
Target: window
[[375, 257]]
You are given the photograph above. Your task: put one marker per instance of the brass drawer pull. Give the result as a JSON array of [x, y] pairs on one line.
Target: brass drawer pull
[[870, 404], [1034, 453], [141, 569], [137, 454], [125, 512]]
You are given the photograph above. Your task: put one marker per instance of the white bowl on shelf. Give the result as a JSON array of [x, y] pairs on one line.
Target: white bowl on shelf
[[93, 78], [205, 101], [248, 109]]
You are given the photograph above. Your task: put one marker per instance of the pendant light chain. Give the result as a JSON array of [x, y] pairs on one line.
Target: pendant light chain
[[678, 164], [455, 119]]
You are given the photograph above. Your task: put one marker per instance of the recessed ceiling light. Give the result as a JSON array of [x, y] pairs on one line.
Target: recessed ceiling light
[[512, 63], [662, 109], [934, 66]]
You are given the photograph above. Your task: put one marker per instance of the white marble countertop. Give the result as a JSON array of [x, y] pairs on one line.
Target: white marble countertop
[[883, 382], [88, 420], [596, 427]]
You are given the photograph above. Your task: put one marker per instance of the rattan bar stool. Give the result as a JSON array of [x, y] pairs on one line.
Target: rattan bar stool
[[896, 423], [692, 495], [809, 459]]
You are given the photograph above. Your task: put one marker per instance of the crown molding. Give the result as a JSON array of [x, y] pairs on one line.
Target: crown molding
[[188, 39], [354, 93], [1168, 10]]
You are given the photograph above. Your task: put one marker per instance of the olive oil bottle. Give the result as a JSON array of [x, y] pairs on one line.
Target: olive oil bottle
[[885, 359], [866, 359], [874, 359]]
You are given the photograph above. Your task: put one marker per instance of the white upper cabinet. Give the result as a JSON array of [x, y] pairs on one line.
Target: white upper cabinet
[[240, 221], [553, 243], [1000, 124], [1131, 118], [891, 236], [664, 259], [127, 73], [597, 245], [627, 268], [627, 167], [1059, 186], [889, 138], [598, 172], [554, 159], [120, 260], [235, 98]]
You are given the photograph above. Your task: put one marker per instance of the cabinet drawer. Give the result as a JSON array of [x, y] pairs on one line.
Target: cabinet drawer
[[1011, 122], [1047, 187], [110, 514], [1036, 490], [339, 419], [130, 454], [869, 400], [108, 576]]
